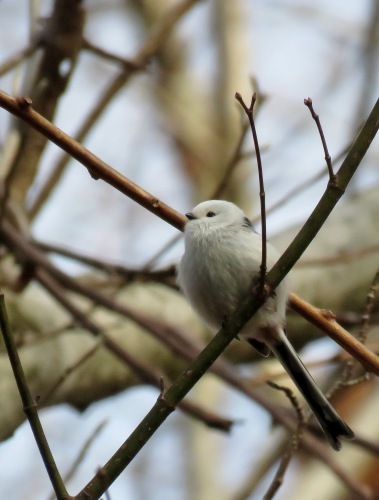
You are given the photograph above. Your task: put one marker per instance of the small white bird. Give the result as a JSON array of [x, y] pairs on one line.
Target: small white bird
[[222, 257]]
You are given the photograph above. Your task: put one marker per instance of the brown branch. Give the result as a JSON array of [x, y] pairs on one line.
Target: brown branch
[[98, 169], [328, 324], [157, 37], [346, 379], [128, 274], [17, 58]]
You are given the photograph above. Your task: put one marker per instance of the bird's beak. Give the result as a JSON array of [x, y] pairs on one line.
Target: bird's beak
[[190, 216]]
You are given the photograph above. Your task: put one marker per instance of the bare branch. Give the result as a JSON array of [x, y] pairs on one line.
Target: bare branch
[[30, 406], [262, 196], [315, 116], [318, 317], [292, 447]]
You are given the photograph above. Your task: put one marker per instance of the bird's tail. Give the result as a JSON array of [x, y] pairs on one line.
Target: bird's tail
[[331, 423]]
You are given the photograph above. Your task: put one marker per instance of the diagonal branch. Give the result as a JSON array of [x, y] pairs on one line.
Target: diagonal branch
[[30, 406], [167, 401], [156, 39], [262, 195], [98, 169]]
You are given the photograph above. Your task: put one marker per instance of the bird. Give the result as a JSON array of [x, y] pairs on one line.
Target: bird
[[221, 260]]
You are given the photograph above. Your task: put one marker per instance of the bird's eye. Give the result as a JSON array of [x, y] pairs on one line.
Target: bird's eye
[[211, 214]]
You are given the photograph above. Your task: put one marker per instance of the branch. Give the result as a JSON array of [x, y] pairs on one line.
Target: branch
[[30, 406], [369, 306], [128, 64], [98, 169], [262, 196], [291, 448], [83, 452], [128, 274], [315, 116], [328, 201], [328, 324]]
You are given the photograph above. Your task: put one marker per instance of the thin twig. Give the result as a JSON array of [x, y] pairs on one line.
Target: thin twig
[[249, 112], [341, 258], [128, 64], [30, 406], [257, 471], [231, 164], [293, 445], [332, 177], [82, 453], [68, 371], [346, 379], [109, 267], [300, 188], [328, 324]]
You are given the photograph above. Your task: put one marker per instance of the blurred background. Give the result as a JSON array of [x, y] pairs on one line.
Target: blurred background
[[149, 88]]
